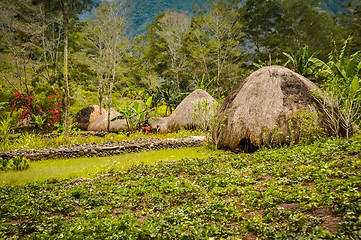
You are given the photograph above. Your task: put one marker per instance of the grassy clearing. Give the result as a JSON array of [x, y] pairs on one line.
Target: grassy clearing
[[90, 167], [30, 141], [298, 192]]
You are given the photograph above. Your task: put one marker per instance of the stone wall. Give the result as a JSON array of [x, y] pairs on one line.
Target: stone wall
[[105, 149]]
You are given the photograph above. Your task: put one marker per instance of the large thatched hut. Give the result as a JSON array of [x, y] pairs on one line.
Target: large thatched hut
[[274, 105], [182, 117], [101, 123], [86, 116]]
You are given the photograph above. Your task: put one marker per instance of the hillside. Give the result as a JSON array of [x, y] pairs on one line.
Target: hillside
[[142, 13]]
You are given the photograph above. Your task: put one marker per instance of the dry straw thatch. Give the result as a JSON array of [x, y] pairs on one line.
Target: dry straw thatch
[[162, 122], [86, 116], [182, 117], [101, 123], [259, 110]]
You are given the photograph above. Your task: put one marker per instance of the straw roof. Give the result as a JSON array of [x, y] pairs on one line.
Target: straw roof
[[101, 123], [182, 117], [258, 111], [86, 116], [162, 122]]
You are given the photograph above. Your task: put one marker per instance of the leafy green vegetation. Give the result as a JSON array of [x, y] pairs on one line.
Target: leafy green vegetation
[[301, 192], [91, 167], [17, 164]]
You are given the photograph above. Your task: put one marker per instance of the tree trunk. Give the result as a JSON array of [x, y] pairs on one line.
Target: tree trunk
[[110, 94], [66, 81]]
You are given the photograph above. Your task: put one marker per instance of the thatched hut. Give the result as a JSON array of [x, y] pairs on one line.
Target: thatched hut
[[101, 123], [274, 105], [86, 116], [182, 117], [162, 122]]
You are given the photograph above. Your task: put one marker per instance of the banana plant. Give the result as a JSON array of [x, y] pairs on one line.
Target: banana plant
[[135, 114], [127, 112], [300, 64]]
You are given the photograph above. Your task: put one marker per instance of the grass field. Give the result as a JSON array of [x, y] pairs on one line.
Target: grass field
[[90, 167], [299, 192]]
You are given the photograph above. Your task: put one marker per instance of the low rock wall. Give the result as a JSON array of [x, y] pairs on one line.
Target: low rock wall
[[105, 149]]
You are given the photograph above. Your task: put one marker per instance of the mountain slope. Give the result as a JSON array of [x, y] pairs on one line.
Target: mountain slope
[[142, 13]]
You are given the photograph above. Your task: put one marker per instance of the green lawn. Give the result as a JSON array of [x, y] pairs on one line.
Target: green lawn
[[90, 167]]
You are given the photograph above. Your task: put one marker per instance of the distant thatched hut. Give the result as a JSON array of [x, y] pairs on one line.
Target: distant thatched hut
[[162, 122], [268, 107], [101, 123], [86, 116], [182, 117]]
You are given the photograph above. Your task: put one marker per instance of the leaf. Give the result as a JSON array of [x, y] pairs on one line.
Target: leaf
[[149, 102], [345, 50], [355, 84], [117, 117], [351, 68]]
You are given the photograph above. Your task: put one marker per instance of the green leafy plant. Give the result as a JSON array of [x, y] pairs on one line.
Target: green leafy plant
[[341, 76], [17, 163], [304, 127], [301, 63], [5, 126], [135, 114]]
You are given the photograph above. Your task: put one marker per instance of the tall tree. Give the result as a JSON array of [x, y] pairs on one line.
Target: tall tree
[[109, 38], [351, 22], [172, 28], [214, 44], [304, 23], [69, 9]]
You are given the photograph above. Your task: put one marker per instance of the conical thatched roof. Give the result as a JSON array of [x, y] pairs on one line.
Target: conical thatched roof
[[86, 116], [162, 122], [259, 110], [101, 123], [182, 117]]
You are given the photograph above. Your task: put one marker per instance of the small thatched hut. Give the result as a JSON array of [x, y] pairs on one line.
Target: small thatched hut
[[162, 122], [86, 116], [274, 105], [182, 117], [101, 123]]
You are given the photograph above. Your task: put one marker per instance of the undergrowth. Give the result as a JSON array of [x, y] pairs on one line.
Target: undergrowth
[[298, 192]]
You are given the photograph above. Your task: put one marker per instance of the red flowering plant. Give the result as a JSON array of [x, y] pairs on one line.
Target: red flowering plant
[[37, 113]]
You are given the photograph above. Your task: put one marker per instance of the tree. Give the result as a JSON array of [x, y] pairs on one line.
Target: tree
[[172, 28], [259, 19], [303, 23], [351, 22], [214, 43], [68, 9], [108, 36]]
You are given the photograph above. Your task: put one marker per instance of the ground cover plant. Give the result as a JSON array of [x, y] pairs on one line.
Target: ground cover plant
[[299, 192]]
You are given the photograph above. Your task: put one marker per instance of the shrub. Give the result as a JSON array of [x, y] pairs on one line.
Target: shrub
[[17, 163]]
